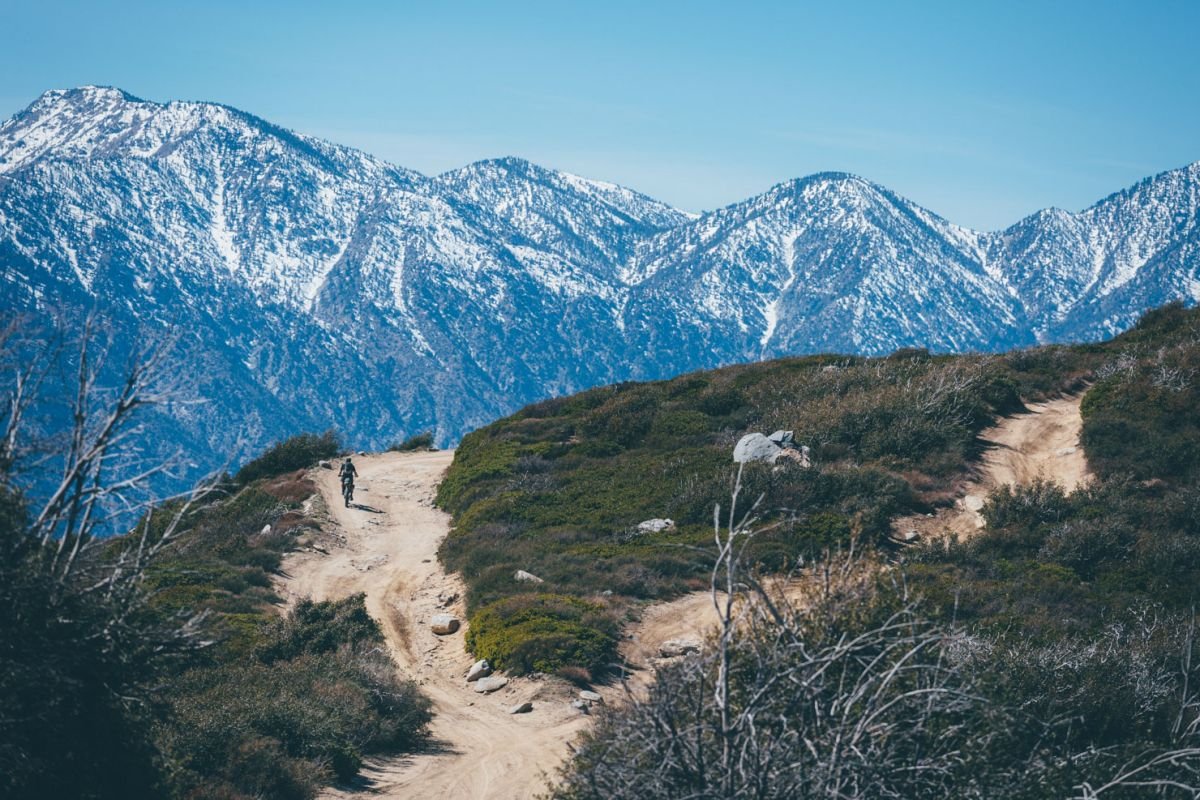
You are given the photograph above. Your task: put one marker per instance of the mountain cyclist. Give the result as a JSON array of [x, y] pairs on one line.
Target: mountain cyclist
[[347, 473]]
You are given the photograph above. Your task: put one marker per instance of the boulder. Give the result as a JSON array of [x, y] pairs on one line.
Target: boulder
[[673, 648], [755, 447], [444, 624], [783, 438], [590, 697], [526, 577], [490, 684], [323, 464], [266, 529], [480, 669], [656, 525], [521, 708], [580, 705]]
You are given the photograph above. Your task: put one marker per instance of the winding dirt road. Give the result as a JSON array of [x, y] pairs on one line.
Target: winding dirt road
[[385, 545]]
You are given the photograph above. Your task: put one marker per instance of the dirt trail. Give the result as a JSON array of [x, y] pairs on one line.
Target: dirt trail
[[386, 546], [1041, 444]]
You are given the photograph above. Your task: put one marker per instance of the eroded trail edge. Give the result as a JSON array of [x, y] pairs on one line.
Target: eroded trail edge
[[385, 546], [1041, 444]]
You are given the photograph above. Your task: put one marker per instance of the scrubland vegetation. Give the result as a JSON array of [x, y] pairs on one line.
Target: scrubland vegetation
[[1052, 655], [559, 488], [156, 663]]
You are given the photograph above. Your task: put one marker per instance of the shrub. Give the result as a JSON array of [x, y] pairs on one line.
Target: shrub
[[319, 695], [298, 452], [418, 441], [543, 633]]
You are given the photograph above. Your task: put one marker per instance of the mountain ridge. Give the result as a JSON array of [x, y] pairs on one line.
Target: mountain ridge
[[316, 282]]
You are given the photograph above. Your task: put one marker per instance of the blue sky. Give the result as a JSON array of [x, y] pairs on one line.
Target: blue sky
[[981, 111]]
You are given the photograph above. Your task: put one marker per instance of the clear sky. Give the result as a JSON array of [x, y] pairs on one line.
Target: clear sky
[[981, 111]]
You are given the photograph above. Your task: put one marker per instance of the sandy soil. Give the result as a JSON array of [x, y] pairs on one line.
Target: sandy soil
[[386, 546], [1043, 443]]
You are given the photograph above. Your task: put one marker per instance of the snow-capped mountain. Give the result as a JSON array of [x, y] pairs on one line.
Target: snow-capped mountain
[[310, 285]]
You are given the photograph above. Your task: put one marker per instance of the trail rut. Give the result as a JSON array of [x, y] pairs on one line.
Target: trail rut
[[1040, 444], [386, 547]]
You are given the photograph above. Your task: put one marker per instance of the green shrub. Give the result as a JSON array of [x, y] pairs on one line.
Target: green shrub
[[298, 452], [319, 695], [543, 633], [418, 441]]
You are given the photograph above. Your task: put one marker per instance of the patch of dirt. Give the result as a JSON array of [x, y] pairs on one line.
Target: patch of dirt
[[1041, 444], [385, 546]]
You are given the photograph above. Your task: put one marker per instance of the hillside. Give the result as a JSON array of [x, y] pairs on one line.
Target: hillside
[[1055, 643], [559, 488], [305, 284], [181, 675]]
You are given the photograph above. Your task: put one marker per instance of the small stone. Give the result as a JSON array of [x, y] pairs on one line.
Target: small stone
[[480, 669], [489, 685], [444, 624], [526, 577], [673, 648], [266, 529], [580, 706], [521, 708], [590, 697], [656, 525], [323, 464]]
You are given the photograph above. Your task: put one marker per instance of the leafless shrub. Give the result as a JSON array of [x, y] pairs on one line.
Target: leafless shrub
[[794, 697]]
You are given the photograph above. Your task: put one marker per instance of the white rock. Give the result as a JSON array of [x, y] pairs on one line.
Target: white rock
[[656, 525], [526, 577], [678, 647], [590, 697], [755, 447], [266, 529], [480, 669], [782, 438], [323, 464], [490, 684], [444, 624], [973, 502]]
